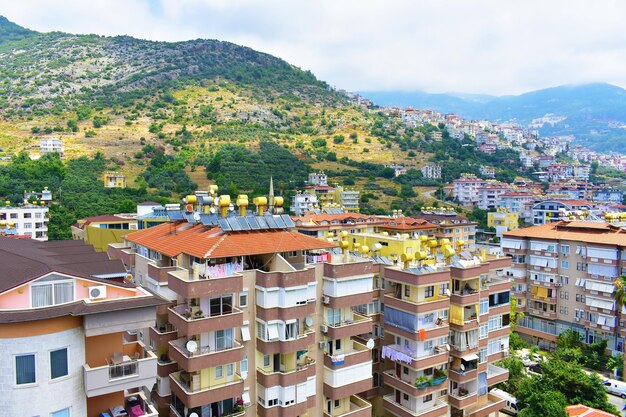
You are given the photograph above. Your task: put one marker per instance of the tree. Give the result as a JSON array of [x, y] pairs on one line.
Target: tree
[[536, 401], [515, 315], [620, 300]]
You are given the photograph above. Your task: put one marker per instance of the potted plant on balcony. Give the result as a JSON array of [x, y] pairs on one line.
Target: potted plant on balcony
[[439, 376], [199, 314], [422, 382]]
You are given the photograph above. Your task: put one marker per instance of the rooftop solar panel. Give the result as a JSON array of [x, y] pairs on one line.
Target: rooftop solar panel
[[234, 224], [224, 225], [243, 222], [271, 224], [254, 224], [288, 221], [209, 219], [175, 215], [280, 224], [262, 223]]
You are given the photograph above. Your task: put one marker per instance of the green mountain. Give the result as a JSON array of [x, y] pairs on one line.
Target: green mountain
[[594, 113]]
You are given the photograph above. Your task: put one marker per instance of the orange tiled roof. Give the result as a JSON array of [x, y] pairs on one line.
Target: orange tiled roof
[[172, 239], [580, 410], [589, 232], [407, 223], [326, 217]]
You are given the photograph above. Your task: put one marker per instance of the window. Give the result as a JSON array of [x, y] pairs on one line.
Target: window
[[484, 306], [563, 310], [338, 344], [429, 291], [405, 370], [564, 264], [266, 360], [25, 369], [428, 398], [43, 295], [484, 330], [428, 345], [482, 355], [565, 250], [219, 371], [406, 397], [61, 413], [243, 367], [243, 299], [58, 363], [230, 369], [444, 287], [407, 290], [337, 403], [28, 225], [333, 316]]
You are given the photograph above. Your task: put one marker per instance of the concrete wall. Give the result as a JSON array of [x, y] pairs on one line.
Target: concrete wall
[[45, 396]]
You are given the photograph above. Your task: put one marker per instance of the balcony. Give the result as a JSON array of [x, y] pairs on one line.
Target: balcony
[[342, 382], [462, 398], [191, 321], [301, 342], [178, 409], [134, 367], [199, 284], [458, 375], [358, 408], [436, 356], [541, 313], [160, 273], [296, 376], [187, 388], [358, 353], [495, 375], [162, 333], [358, 325], [493, 404], [439, 409], [204, 356], [425, 306], [418, 387]]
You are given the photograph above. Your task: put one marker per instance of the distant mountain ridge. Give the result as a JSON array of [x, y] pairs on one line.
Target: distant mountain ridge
[[593, 113]]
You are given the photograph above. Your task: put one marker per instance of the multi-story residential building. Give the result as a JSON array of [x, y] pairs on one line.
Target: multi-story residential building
[[549, 210], [114, 180], [451, 225], [518, 202], [329, 226], [68, 321], [489, 195], [49, 145], [564, 273], [100, 231], [44, 196], [397, 169], [302, 203], [466, 189], [347, 198], [441, 341], [257, 325], [318, 178], [431, 171], [608, 195], [503, 220], [487, 171], [28, 220]]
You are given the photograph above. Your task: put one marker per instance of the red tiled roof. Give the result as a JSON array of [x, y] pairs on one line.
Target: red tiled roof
[[317, 218], [172, 239], [601, 233], [580, 410], [407, 223]]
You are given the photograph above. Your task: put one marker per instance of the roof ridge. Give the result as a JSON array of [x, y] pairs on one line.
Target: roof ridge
[[212, 248]]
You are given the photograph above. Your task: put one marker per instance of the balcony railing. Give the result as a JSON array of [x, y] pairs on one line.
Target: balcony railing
[[358, 408]]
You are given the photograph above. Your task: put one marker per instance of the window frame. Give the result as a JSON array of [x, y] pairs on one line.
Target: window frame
[[24, 384], [67, 363]]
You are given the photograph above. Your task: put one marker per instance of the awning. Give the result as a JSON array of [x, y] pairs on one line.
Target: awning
[[245, 333], [272, 331], [470, 357], [542, 292]]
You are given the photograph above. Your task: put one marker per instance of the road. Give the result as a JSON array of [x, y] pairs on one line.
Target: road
[[617, 402]]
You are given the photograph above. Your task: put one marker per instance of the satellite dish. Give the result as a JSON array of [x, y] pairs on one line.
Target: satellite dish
[[462, 367], [308, 321], [370, 344], [447, 347], [193, 415], [212, 210], [448, 292], [191, 346]]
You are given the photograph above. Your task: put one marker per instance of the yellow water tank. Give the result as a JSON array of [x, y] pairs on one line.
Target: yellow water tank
[[278, 201], [191, 199]]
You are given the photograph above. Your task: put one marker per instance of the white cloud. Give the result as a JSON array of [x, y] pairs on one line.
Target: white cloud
[[478, 46]]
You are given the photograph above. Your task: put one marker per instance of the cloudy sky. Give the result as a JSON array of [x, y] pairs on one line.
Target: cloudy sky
[[474, 46]]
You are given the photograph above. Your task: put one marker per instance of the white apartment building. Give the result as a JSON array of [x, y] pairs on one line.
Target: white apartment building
[[465, 189], [431, 171], [27, 220], [49, 145]]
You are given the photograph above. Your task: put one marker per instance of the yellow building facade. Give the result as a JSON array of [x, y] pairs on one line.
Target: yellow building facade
[[504, 218], [114, 180]]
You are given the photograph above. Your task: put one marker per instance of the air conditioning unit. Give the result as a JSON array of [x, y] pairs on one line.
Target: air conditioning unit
[[325, 299], [577, 318], [321, 344], [324, 328], [99, 292], [558, 284]]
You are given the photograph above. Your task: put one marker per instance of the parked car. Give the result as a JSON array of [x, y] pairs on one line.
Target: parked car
[[510, 402], [615, 387]]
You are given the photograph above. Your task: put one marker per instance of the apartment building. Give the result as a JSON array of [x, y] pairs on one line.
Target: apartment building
[[49, 145], [68, 321], [113, 180], [261, 320], [27, 220], [564, 273], [466, 189], [489, 195], [549, 210], [503, 221], [451, 226], [302, 203], [441, 340], [100, 231], [431, 171]]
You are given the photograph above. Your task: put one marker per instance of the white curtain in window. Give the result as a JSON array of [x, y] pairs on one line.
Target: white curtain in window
[[63, 292], [41, 295]]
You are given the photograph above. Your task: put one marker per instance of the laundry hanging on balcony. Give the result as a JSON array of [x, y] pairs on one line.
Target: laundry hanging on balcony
[[395, 355]]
